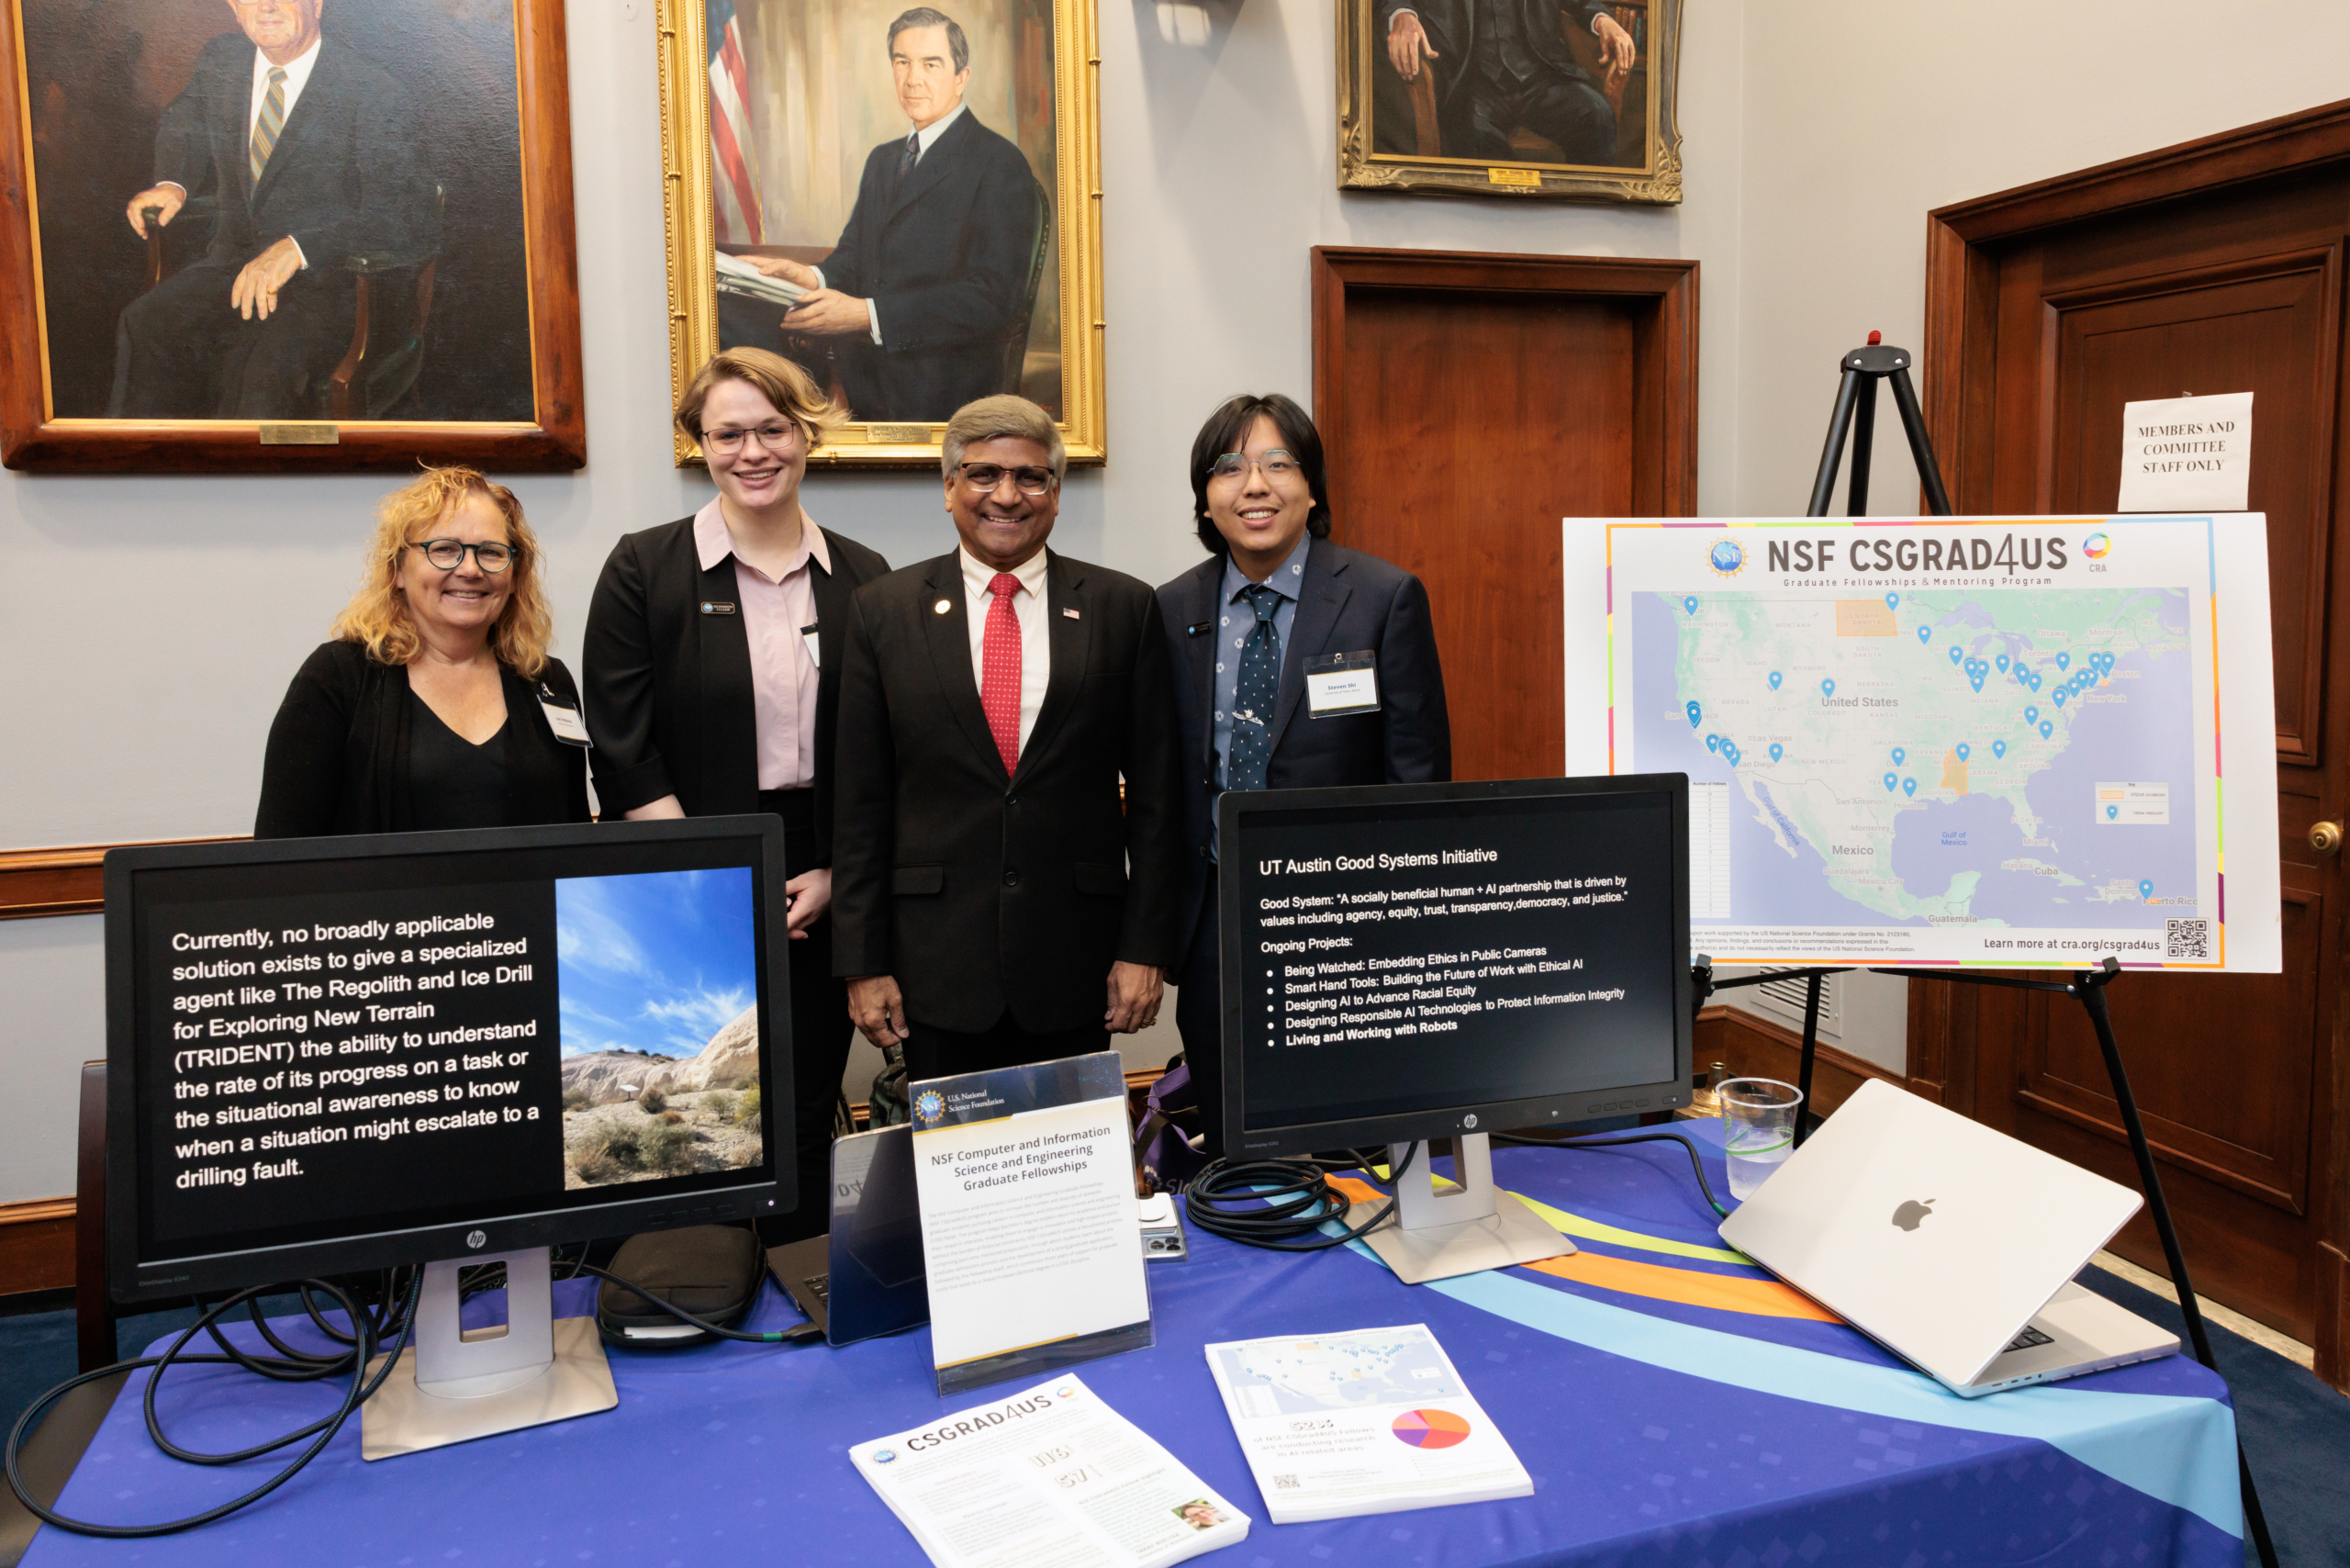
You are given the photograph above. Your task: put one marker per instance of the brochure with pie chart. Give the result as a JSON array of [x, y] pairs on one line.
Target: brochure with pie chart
[[1368, 1421]]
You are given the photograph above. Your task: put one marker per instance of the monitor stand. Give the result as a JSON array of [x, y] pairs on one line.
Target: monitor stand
[[1464, 1230], [454, 1384]]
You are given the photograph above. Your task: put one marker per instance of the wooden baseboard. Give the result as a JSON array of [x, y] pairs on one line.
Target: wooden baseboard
[[36, 1245], [67, 879], [2331, 1341], [1756, 1047]]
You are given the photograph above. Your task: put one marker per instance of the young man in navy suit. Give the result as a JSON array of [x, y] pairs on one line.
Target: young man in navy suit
[[1240, 627]]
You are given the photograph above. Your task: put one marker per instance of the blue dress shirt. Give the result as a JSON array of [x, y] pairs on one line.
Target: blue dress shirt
[[1234, 621]]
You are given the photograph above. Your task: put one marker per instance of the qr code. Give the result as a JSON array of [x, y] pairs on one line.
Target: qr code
[[2187, 939], [1285, 1483]]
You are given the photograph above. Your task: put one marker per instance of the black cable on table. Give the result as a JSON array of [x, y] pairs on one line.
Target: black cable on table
[[800, 1335], [1602, 1140], [1277, 1204]]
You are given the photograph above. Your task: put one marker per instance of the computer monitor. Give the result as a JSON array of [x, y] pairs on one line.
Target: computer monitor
[[339, 1054], [1417, 962]]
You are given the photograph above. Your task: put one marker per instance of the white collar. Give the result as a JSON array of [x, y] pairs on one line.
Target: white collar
[[978, 574], [298, 70], [937, 129]]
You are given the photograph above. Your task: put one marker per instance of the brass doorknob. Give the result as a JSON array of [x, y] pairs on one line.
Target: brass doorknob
[[2326, 838]]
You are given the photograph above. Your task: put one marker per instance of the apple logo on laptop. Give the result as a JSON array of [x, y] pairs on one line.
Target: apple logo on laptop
[[1912, 1213]]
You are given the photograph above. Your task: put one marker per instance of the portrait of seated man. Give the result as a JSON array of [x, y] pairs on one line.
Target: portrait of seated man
[[300, 154], [932, 274], [1499, 67]]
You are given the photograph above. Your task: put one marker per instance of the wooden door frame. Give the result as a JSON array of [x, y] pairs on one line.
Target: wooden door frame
[[1665, 344], [1962, 328]]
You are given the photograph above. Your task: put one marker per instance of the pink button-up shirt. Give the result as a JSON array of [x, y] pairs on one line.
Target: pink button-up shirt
[[776, 611]]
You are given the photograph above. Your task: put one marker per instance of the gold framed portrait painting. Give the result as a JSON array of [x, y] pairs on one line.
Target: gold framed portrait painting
[[273, 235], [902, 197], [1569, 99]]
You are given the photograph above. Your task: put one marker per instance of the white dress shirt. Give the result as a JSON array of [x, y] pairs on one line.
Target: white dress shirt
[[298, 77], [1036, 629], [923, 141]]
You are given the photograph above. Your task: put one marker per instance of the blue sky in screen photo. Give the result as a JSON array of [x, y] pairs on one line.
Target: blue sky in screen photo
[[654, 962]]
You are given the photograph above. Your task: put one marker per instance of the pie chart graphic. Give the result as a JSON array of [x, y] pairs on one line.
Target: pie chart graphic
[[1431, 1428]]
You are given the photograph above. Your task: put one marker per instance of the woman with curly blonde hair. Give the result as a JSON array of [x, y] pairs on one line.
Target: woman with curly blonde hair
[[433, 704]]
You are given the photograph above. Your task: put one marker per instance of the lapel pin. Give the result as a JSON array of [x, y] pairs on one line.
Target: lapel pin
[[1197, 627], [717, 607], [1072, 614], [942, 607]]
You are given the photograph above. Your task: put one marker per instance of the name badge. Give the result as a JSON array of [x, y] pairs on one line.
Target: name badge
[[816, 654], [717, 607], [1341, 684], [563, 719]]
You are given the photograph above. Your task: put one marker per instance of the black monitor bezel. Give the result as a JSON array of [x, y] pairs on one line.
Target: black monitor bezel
[[1484, 1116], [131, 1278]]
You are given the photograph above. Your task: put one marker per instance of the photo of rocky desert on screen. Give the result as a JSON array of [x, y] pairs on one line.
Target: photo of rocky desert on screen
[[660, 1027]]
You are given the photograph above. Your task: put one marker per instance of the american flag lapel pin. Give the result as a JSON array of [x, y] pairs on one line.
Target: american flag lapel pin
[[1072, 614]]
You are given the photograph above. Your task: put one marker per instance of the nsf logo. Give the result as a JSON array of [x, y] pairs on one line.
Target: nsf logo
[[929, 1107], [885, 1456], [1728, 557]]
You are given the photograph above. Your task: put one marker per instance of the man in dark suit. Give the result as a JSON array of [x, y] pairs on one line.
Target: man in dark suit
[[310, 155], [933, 269], [989, 894], [1504, 63], [1241, 627]]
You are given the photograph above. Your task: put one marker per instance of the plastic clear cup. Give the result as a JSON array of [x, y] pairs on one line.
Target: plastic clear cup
[[1758, 1129]]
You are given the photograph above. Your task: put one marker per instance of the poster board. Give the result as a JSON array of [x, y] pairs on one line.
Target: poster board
[[2005, 743]]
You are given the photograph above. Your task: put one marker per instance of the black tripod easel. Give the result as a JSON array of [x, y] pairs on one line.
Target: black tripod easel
[[1856, 401]]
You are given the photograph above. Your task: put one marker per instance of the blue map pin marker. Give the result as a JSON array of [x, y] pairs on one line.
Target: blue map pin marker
[[2046, 729], [1731, 752], [1776, 751], [1908, 786], [1694, 712], [1892, 600], [2111, 813], [1956, 655], [1925, 633], [2145, 890], [1892, 782], [2035, 680], [2061, 659], [1713, 743], [1690, 604], [1962, 751], [1775, 680], [2002, 662], [2063, 692], [2031, 715], [1898, 756], [1976, 682], [1828, 688], [1998, 748]]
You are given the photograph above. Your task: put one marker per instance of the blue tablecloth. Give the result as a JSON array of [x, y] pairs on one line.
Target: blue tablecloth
[[1657, 1432]]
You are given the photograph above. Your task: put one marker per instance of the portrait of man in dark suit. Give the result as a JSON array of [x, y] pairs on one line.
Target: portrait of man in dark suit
[[1506, 66], [925, 300]]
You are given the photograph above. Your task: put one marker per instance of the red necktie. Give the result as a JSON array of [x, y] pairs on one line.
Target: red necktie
[[999, 661]]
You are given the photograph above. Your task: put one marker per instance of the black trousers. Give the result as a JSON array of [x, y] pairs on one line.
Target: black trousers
[[820, 1036], [937, 1053], [182, 351], [1575, 115], [1199, 1017]]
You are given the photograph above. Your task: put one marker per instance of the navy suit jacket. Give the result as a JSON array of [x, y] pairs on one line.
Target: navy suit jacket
[[945, 256], [1347, 603], [347, 175]]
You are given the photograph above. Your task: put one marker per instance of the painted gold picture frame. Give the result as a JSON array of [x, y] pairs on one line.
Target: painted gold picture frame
[[784, 132], [1538, 114]]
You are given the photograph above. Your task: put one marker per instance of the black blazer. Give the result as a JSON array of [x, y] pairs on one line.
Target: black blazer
[[944, 257], [980, 892], [339, 750], [348, 175], [1347, 603], [669, 685]]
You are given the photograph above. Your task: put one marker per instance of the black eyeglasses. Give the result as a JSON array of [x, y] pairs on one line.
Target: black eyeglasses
[[988, 476], [450, 554], [728, 439], [1275, 465]]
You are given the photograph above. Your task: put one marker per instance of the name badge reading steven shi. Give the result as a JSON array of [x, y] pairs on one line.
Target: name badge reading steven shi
[[563, 719], [1341, 684]]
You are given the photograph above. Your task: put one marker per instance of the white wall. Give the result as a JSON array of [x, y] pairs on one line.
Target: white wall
[[148, 626]]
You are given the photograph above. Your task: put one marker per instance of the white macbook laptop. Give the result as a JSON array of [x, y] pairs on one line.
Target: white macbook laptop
[[1950, 1244]]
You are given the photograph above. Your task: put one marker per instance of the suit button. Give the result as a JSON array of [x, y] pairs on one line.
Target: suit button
[[1203, 851], [1012, 879], [1012, 799]]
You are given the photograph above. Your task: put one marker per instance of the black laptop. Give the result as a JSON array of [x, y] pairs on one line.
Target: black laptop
[[863, 1278]]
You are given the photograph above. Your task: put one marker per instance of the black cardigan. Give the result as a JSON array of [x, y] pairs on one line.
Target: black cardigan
[[338, 759], [669, 685]]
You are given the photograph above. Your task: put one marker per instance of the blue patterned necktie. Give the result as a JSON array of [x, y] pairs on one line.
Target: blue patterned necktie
[[912, 155], [1255, 692]]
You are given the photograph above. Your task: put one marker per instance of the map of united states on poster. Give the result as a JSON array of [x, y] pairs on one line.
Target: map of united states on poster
[[1932, 742]]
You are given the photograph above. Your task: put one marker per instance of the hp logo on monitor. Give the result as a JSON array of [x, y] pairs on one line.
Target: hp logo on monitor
[[476, 1238], [1469, 1121]]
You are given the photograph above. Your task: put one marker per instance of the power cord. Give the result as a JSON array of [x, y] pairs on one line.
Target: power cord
[[1287, 1201], [1603, 1140], [801, 1335]]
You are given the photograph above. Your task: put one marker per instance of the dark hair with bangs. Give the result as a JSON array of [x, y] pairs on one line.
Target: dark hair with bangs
[[1228, 428]]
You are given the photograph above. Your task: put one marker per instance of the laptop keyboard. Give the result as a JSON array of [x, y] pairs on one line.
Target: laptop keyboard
[[2027, 1339], [820, 1286]]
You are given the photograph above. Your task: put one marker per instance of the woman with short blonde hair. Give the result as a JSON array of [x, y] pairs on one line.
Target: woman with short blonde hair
[[433, 704]]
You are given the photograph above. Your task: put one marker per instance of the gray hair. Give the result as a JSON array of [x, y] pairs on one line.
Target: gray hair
[[924, 16], [991, 419]]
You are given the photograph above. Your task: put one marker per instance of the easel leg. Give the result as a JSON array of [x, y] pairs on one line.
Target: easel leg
[[2090, 989]]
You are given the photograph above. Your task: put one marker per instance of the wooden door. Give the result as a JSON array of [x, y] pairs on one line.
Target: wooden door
[[1470, 402], [2216, 268]]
